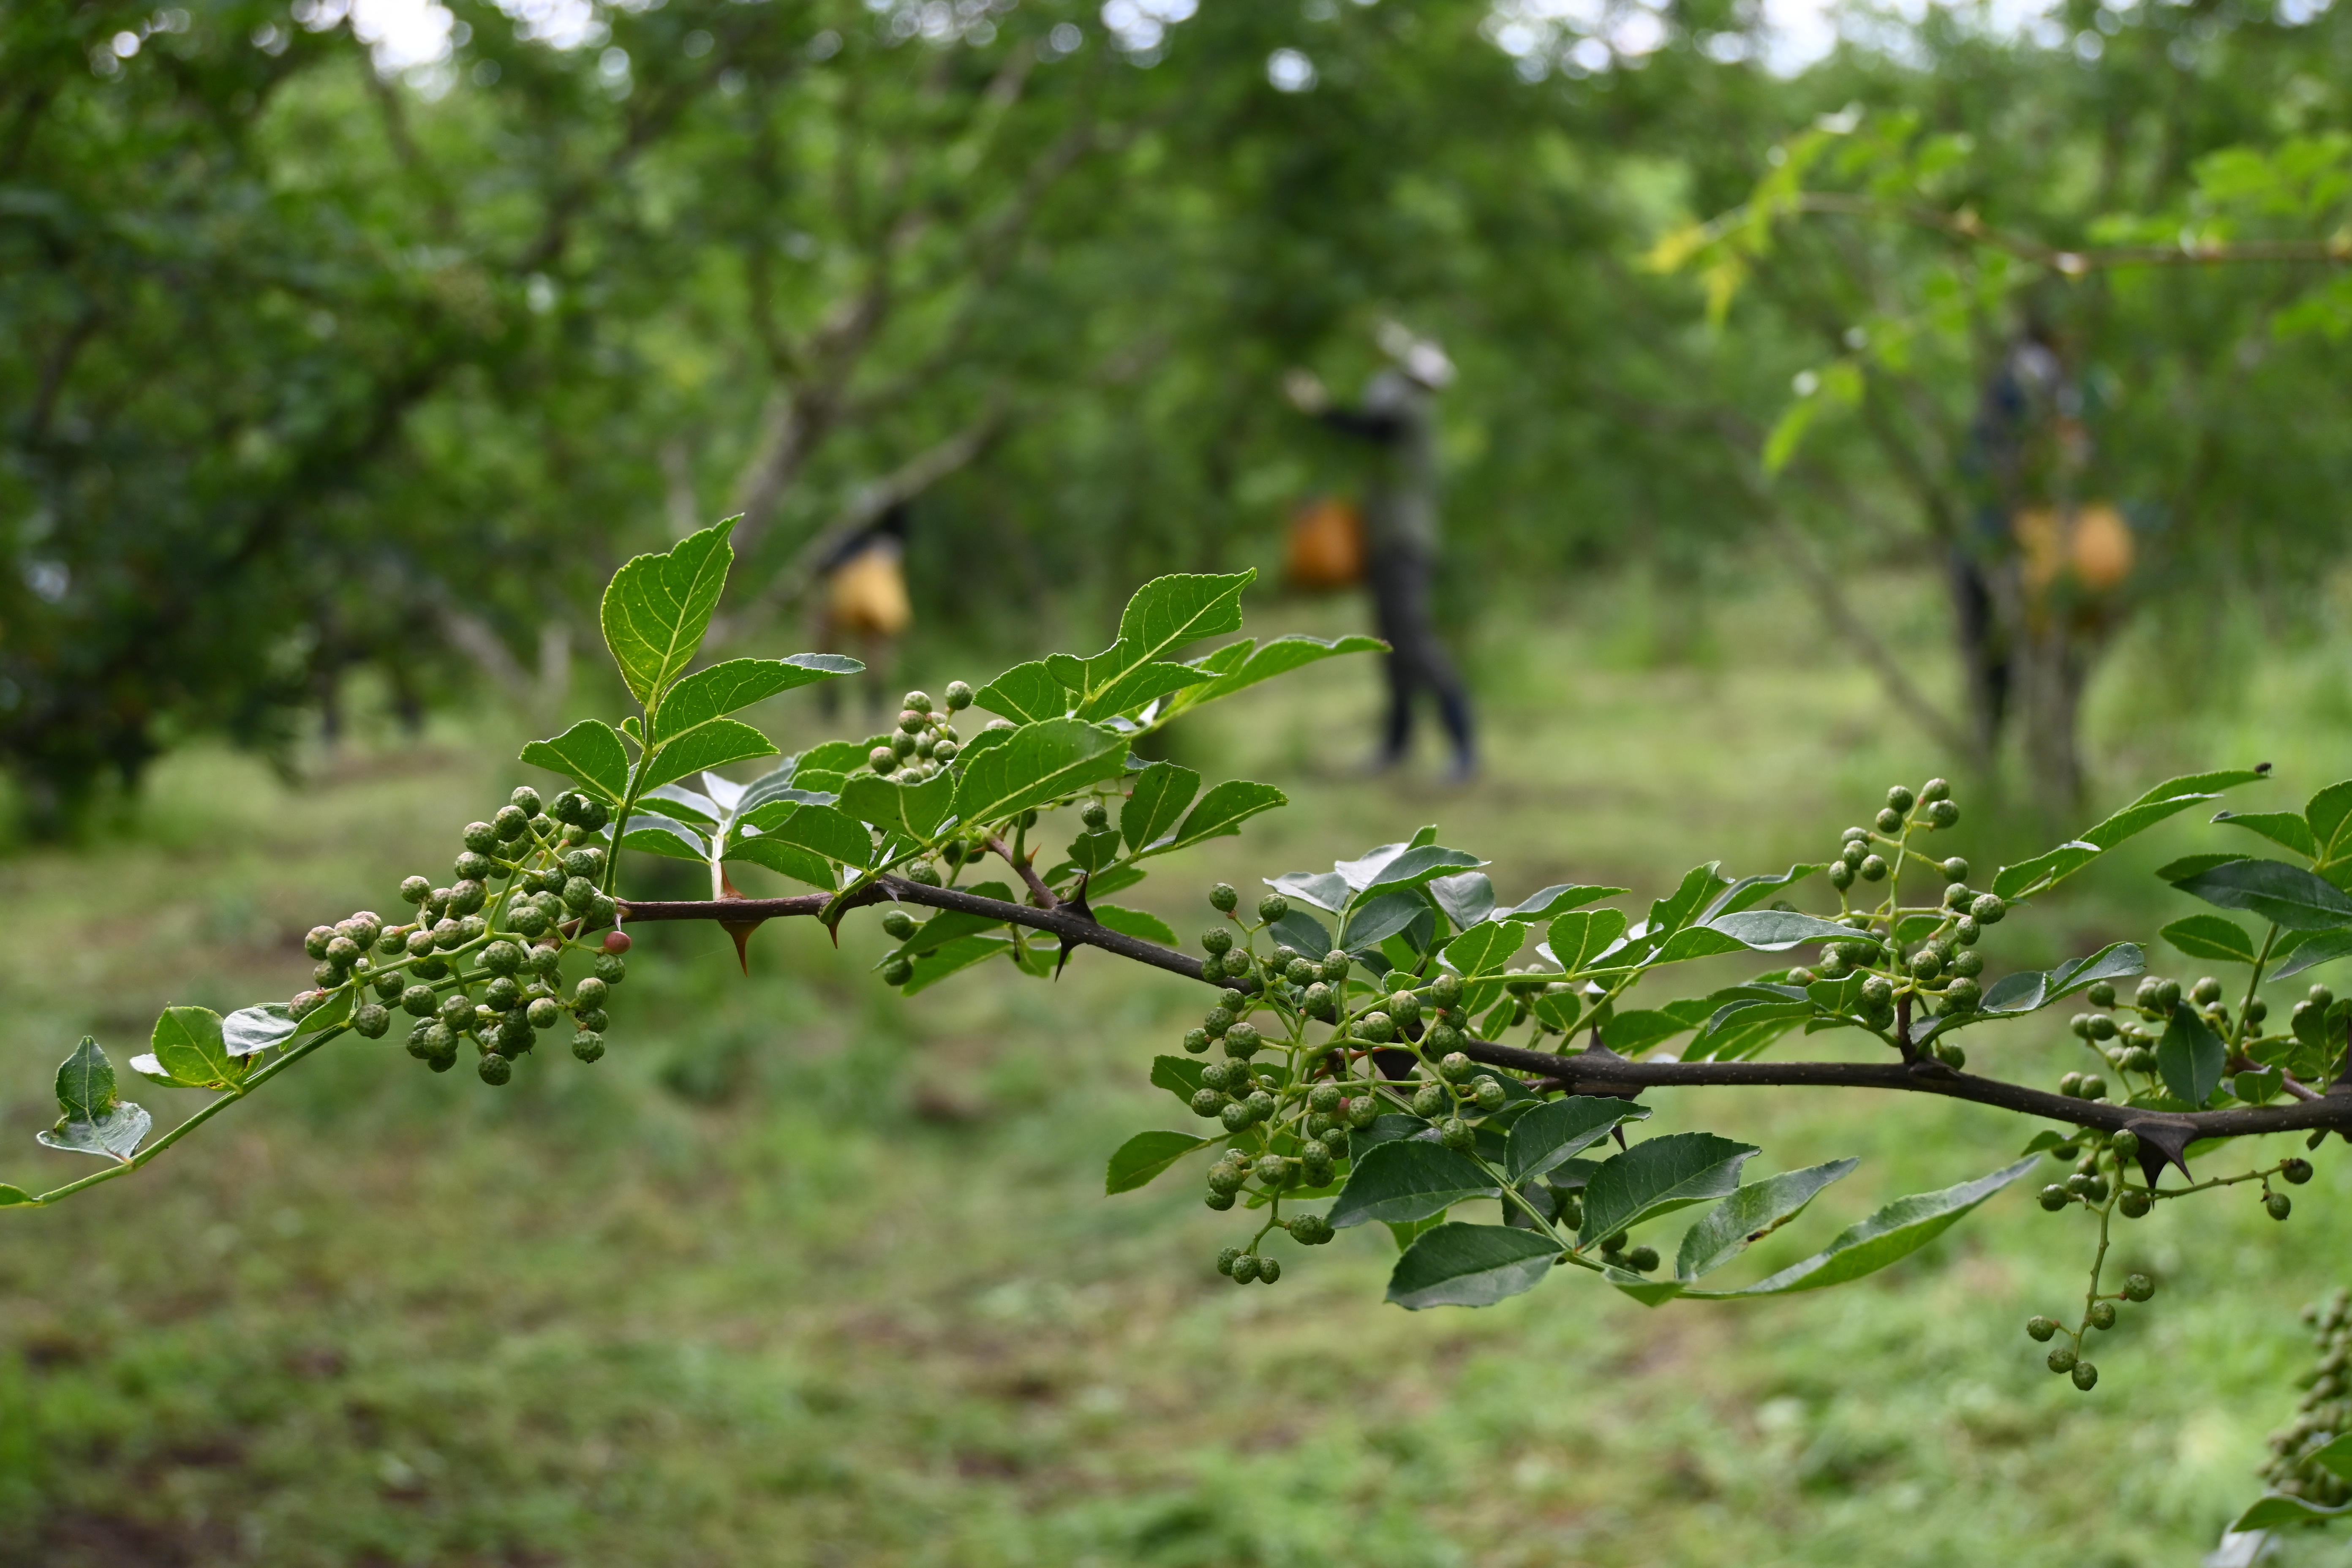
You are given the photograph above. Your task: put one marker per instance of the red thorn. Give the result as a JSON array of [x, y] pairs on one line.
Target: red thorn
[[739, 930]]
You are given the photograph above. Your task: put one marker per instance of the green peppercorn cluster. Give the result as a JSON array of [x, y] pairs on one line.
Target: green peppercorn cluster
[[1920, 955], [924, 742], [482, 958], [2323, 1414], [1309, 1051]]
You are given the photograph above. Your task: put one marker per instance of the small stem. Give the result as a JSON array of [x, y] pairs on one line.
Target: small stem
[[1038, 889]]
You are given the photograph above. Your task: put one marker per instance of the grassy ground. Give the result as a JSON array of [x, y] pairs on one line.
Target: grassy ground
[[803, 1275]]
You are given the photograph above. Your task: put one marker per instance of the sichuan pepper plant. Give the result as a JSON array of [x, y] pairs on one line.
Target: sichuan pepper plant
[[1381, 1048]]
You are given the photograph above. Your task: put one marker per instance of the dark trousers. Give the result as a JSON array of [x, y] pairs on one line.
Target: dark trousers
[[1416, 661]]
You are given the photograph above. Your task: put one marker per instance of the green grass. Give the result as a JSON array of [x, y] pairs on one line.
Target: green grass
[[801, 1274]]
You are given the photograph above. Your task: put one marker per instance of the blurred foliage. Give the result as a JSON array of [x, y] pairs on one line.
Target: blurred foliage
[[399, 367]]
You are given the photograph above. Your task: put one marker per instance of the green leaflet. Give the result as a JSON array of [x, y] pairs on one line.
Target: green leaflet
[[2210, 936], [2284, 894], [711, 744], [1456, 1265], [2191, 1056], [1131, 690], [2326, 947], [10, 1198], [2269, 1512], [790, 860], [1154, 801], [1547, 1136], [1144, 1156], [1639, 1029], [830, 832], [1485, 949], [1168, 612], [1179, 1076], [1406, 1180], [2284, 827], [1657, 1176], [1368, 924], [2046, 870], [189, 1045], [115, 1135], [1464, 899], [1025, 693], [1551, 900], [657, 608], [1221, 812], [85, 1083], [1136, 923], [249, 1031], [1279, 656], [655, 834], [1894, 1232], [1034, 765], [2329, 813], [2030, 989], [1774, 931], [1421, 863], [961, 954], [1725, 1231], [591, 753], [915, 810], [1579, 939], [722, 689]]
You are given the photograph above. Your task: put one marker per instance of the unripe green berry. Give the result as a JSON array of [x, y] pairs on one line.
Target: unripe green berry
[[1988, 908], [1335, 965], [1376, 1028], [502, 994], [1430, 1102], [1641, 1259], [2103, 1315], [588, 1045], [610, 967], [1362, 1112], [1228, 1174], [1955, 870], [371, 1021], [1238, 1116], [1489, 1094], [2139, 1288], [882, 759], [2086, 1376], [2206, 992], [1226, 1260], [1890, 820], [317, 942], [1245, 1268], [1456, 1133], [2094, 1086], [2040, 1327], [1216, 939], [1219, 1201], [495, 1069], [2061, 1359], [1272, 908], [543, 1012], [1873, 869], [2053, 1197], [2134, 1203], [1967, 965], [1323, 1099], [1269, 1270], [1841, 875], [2297, 1170], [2277, 1205], [1224, 899], [897, 970], [1942, 814], [959, 696], [1207, 1102], [1242, 1041]]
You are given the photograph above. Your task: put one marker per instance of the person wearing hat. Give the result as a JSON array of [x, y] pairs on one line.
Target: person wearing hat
[[1397, 418]]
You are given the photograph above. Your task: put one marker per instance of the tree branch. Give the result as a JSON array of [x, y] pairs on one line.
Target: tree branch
[[1597, 1070]]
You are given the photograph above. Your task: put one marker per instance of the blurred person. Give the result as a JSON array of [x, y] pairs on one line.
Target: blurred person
[[862, 599], [1397, 419]]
